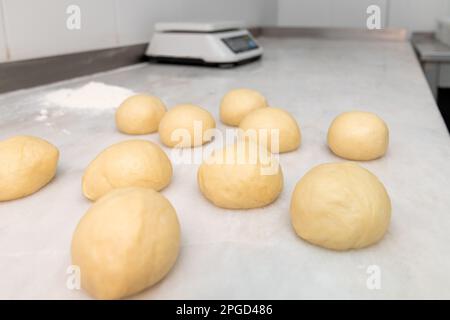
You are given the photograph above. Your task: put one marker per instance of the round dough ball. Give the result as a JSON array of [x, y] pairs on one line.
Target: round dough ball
[[126, 242], [358, 136], [185, 125], [132, 163], [140, 114], [240, 176], [237, 103], [340, 206], [261, 122], [26, 165]]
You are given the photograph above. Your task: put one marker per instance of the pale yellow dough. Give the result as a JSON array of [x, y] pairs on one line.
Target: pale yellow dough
[[126, 242], [140, 114], [186, 126], [26, 165], [237, 103], [340, 206], [358, 136], [236, 179], [265, 122], [132, 163]]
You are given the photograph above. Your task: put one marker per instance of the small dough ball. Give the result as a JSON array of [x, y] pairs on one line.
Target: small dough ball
[[140, 114], [240, 176], [340, 206], [186, 126], [126, 242], [358, 136], [132, 163], [26, 165], [262, 122], [236, 104]]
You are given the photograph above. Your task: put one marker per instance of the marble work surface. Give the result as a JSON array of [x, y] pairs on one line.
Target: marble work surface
[[253, 254]]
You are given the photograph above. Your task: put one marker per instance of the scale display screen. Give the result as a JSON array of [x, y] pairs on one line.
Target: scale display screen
[[240, 43]]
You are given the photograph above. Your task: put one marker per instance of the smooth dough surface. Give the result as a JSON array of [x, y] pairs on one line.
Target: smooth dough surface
[[358, 135], [262, 122], [126, 242], [237, 103], [26, 165], [131, 163], [340, 206], [235, 179], [185, 126], [140, 114]]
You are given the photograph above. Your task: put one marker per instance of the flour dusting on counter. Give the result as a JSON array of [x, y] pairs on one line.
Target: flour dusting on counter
[[92, 96]]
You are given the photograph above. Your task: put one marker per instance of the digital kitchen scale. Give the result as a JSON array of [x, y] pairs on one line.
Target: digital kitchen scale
[[225, 43]]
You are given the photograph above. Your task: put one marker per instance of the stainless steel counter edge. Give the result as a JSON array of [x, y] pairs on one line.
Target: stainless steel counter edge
[[429, 48]]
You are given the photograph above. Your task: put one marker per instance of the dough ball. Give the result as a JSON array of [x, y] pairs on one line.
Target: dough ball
[[340, 206], [240, 176], [185, 126], [262, 123], [237, 103], [358, 136], [132, 163], [26, 165], [126, 242], [140, 114]]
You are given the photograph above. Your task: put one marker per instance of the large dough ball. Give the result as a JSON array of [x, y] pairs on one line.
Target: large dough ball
[[132, 163], [240, 176], [263, 122], [185, 125], [358, 136], [340, 206], [236, 104], [26, 165], [126, 242], [140, 114]]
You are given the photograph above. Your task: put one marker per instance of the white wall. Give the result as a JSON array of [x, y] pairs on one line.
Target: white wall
[[135, 26], [417, 15], [36, 29], [414, 15], [3, 52]]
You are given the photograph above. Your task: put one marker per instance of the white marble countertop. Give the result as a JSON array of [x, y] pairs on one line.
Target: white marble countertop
[[253, 254]]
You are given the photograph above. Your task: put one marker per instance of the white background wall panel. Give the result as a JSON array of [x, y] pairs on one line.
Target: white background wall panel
[[38, 28], [3, 52]]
